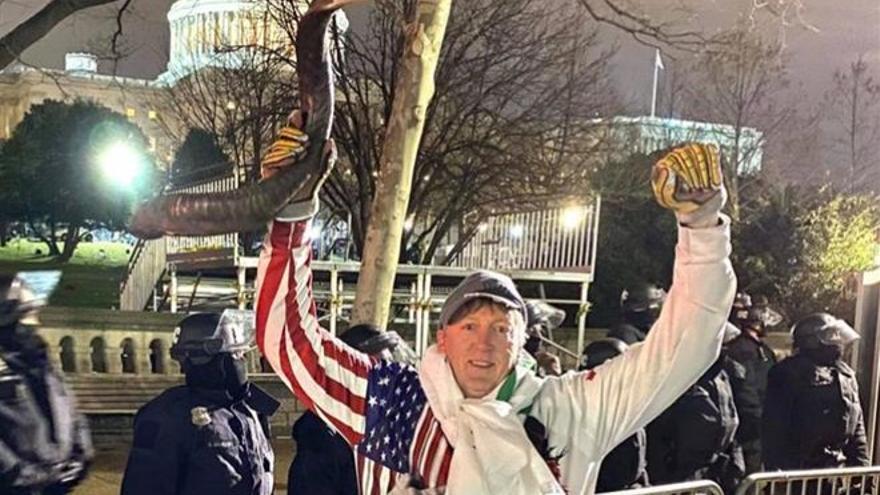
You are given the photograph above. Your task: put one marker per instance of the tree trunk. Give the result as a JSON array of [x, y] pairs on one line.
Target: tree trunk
[[4, 231], [424, 37], [70, 243]]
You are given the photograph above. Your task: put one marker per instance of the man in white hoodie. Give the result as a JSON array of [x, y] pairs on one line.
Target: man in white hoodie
[[469, 420]]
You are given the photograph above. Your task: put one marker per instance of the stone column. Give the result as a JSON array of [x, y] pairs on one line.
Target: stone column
[[83, 356], [54, 352], [114, 357]]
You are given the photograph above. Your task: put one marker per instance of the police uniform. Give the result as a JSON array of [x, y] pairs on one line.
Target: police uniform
[[625, 467], [695, 438], [812, 417], [191, 441], [756, 358], [45, 445], [212, 434]]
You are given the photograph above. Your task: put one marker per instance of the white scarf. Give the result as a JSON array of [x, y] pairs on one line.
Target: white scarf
[[493, 454]]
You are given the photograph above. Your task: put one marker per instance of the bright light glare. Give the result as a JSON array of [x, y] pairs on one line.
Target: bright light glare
[[121, 164], [408, 224], [572, 217], [482, 227], [517, 230], [314, 231]]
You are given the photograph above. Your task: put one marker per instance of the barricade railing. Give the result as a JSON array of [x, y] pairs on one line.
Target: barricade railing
[[685, 488], [836, 481]]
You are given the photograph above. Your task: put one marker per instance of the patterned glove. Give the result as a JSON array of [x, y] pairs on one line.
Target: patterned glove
[[288, 148], [687, 179]]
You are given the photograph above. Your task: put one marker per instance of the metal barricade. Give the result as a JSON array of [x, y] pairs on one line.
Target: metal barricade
[[837, 481], [686, 488]]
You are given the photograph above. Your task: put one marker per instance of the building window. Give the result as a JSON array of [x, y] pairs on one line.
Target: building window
[[130, 112], [152, 115]]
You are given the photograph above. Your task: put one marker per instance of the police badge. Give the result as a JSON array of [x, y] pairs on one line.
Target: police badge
[[200, 416]]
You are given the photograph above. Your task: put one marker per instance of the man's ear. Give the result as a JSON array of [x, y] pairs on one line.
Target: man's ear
[[441, 340]]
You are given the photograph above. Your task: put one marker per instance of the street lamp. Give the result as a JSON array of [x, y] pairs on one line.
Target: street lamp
[[572, 217], [121, 164]]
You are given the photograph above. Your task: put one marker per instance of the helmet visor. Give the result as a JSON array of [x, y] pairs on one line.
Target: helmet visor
[[837, 332]]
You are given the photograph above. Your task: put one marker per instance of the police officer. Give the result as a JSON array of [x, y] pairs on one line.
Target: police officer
[[45, 446], [756, 358], [625, 467], [324, 463], [812, 415], [542, 318], [695, 439], [210, 435], [640, 307]]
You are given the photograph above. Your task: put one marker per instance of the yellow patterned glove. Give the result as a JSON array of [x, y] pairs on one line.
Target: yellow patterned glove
[[287, 149], [687, 179]]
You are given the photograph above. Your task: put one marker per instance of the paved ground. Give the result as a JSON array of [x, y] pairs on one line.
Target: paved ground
[[106, 475]]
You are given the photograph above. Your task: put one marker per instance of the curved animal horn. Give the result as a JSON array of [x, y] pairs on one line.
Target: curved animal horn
[[249, 208]]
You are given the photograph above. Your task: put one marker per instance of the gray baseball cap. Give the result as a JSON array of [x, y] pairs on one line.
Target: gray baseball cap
[[483, 285]]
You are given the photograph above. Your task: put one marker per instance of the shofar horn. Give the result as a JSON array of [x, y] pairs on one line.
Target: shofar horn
[[249, 208]]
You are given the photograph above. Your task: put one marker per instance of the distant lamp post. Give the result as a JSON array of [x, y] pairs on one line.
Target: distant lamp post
[[572, 217], [121, 164]]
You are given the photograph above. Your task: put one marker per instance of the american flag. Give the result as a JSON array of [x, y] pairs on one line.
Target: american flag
[[377, 406], [395, 401]]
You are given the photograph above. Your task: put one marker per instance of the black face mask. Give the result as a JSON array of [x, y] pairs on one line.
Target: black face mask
[[222, 372], [825, 355], [643, 320]]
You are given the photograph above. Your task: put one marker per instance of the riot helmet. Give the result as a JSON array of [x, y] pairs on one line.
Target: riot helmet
[[211, 347], [541, 318], [596, 353], [822, 330], [201, 336], [752, 315], [25, 292], [371, 340], [641, 305]]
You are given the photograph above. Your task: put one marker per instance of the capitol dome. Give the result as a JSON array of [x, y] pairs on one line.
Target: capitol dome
[[209, 32]]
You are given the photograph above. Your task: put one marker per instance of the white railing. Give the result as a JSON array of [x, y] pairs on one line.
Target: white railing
[[225, 241], [547, 240], [145, 267], [851, 480], [687, 488]]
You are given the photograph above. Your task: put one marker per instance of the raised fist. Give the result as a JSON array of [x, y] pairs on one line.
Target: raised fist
[[687, 179], [289, 146]]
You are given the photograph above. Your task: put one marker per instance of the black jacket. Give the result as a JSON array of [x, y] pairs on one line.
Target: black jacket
[[812, 417], [756, 357], [195, 441], [695, 438], [45, 445], [324, 463], [626, 466]]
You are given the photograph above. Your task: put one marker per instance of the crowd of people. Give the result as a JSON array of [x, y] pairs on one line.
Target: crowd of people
[[684, 388]]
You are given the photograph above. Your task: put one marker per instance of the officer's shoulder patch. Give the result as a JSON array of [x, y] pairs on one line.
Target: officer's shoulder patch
[[146, 434]]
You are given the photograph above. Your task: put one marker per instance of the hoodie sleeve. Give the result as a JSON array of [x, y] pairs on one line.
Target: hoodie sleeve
[[589, 412]]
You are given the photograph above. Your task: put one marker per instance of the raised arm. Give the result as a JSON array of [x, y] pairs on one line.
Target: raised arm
[[594, 410], [588, 413], [329, 377]]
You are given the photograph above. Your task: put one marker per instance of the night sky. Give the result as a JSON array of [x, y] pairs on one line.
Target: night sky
[[846, 28]]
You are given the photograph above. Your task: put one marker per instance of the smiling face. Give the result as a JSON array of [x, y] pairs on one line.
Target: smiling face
[[481, 343]]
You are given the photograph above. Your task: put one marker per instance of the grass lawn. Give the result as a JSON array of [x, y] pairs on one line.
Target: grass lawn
[[90, 279]]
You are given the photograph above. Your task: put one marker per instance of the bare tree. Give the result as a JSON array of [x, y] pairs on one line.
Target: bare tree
[[513, 79], [15, 42], [738, 81], [853, 120]]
